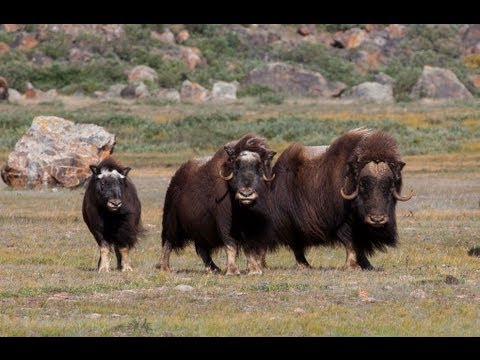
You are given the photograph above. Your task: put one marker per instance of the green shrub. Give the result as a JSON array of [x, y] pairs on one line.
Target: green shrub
[[271, 98]]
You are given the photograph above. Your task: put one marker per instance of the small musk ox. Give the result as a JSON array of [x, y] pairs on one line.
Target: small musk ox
[[111, 209], [222, 201], [3, 89], [345, 194]]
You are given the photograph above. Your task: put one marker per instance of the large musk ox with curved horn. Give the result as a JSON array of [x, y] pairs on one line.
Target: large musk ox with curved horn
[[343, 195], [221, 201], [111, 209]]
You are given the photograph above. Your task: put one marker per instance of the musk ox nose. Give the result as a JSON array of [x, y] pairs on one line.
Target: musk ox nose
[[377, 220], [246, 196], [114, 204]]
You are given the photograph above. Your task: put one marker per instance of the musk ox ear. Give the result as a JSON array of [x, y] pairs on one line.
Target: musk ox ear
[[271, 154], [230, 150], [95, 169], [126, 170], [397, 169]]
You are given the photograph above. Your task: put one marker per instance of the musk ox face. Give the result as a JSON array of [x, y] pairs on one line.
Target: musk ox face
[[247, 174], [376, 191], [109, 186]]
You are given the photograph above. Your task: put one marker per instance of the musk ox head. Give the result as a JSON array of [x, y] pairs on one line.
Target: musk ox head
[[248, 169], [373, 179], [109, 185]]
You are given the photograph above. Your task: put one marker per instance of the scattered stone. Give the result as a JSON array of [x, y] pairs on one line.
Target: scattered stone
[[114, 91], [14, 96], [50, 94], [370, 91], [182, 36], [366, 61], [294, 81], [396, 31], [93, 316], [4, 48], [184, 288], [303, 30], [135, 90], [10, 27], [439, 83], [79, 56], [166, 36], [56, 152], [224, 91], [24, 41], [30, 91], [418, 294], [299, 311], [142, 73], [471, 40], [167, 94], [42, 60], [115, 315], [474, 80], [193, 93], [349, 39], [384, 79]]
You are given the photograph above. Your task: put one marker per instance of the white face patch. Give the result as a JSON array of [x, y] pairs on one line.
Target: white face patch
[[249, 156], [106, 173]]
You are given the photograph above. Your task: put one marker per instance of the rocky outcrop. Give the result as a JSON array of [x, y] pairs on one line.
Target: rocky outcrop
[[142, 73], [294, 81], [56, 153], [438, 83], [370, 92], [193, 93], [224, 92]]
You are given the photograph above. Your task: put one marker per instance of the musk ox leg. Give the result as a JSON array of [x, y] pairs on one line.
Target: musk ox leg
[[232, 268], [104, 260], [164, 264], [302, 262], [263, 255], [123, 259], [206, 256], [254, 262], [356, 260]]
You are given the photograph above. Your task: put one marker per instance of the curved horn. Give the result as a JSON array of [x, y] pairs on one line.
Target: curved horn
[[267, 179], [351, 196], [402, 198], [226, 178]]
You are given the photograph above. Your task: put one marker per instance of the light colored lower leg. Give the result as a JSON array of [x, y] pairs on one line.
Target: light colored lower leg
[[165, 257], [104, 260], [125, 259], [264, 259], [351, 261], [232, 268], [254, 264]]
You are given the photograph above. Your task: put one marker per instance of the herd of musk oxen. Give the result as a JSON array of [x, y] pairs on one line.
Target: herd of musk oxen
[[344, 193]]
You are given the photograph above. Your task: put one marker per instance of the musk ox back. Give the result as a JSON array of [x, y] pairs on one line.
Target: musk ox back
[[346, 195], [111, 209], [219, 202]]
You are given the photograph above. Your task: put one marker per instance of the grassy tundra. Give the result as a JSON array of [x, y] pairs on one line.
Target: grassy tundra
[[428, 286]]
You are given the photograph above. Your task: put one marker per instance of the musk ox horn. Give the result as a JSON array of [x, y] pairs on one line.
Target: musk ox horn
[[267, 179], [351, 196], [402, 198], [226, 178]]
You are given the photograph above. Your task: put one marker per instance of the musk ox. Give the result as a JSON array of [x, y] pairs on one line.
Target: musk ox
[[222, 201], [111, 209], [3, 89], [345, 194]]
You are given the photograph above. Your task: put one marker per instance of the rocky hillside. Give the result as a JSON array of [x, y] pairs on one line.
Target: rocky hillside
[[198, 63]]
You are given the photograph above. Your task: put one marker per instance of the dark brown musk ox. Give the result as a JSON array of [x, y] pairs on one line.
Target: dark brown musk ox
[[221, 201], [345, 194], [112, 211], [3, 89]]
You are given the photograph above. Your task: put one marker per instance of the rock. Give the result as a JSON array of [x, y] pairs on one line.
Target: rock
[[24, 41], [396, 31], [10, 27], [142, 73], [193, 93], [4, 48], [438, 83], [299, 311], [30, 91], [367, 60], [384, 79], [190, 56], [166, 36], [224, 91], [182, 36], [50, 94], [451, 280], [418, 294], [374, 27], [183, 288], [114, 91], [135, 90], [56, 152], [370, 91], [3, 89], [471, 39], [303, 30], [349, 39], [474, 80], [294, 81], [40, 59], [93, 316], [167, 94], [14, 96], [79, 56]]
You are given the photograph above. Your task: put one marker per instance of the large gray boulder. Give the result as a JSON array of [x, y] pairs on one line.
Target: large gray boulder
[[56, 153], [371, 92], [224, 92], [294, 81], [438, 83]]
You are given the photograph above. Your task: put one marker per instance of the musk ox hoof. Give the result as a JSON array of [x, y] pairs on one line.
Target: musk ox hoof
[[304, 267], [232, 272], [214, 271], [163, 267], [351, 267], [126, 268], [103, 269], [255, 272]]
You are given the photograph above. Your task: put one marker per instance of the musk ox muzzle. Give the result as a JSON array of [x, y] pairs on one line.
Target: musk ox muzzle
[[246, 196], [376, 220], [114, 204]]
